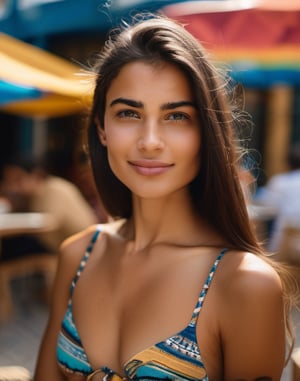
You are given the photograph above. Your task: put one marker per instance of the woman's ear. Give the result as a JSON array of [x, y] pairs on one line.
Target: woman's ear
[[101, 132]]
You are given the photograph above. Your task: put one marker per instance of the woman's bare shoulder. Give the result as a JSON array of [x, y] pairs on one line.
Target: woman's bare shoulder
[[77, 244], [247, 276], [72, 251], [73, 248]]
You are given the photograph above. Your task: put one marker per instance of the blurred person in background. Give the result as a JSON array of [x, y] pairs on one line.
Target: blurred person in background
[[282, 194], [28, 187]]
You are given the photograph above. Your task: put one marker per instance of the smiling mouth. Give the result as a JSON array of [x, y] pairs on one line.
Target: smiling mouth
[[150, 167]]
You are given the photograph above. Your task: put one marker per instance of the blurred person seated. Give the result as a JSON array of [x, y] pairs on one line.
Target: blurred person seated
[[28, 187], [281, 193]]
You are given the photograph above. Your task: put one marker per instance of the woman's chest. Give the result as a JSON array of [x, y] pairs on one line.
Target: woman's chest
[[121, 309]]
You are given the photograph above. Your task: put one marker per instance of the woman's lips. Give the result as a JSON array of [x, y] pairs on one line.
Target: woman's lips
[[150, 167]]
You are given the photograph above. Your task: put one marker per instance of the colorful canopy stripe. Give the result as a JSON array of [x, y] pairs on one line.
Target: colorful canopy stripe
[[262, 67], [10, 92]]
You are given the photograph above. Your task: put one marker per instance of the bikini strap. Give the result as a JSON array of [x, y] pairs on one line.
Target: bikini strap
[[84, 259], [205, 288]]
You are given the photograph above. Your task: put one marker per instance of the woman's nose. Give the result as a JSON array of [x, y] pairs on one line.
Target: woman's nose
[[151, 137]]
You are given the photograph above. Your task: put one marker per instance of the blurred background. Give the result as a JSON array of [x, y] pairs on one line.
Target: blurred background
[[46, 50]]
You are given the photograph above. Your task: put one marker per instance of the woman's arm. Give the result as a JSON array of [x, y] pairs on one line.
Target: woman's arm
[[253, 327]]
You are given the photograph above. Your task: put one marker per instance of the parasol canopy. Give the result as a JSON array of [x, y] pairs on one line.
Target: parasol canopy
[[10, 92], [260, 40], [35, 82]]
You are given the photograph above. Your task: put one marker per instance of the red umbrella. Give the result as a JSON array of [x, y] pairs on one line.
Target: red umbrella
[[261, 41]]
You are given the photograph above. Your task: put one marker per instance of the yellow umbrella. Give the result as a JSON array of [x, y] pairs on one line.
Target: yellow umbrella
[[66, 88]]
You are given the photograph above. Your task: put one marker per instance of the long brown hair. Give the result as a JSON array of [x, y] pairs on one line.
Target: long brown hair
[[216, 191]]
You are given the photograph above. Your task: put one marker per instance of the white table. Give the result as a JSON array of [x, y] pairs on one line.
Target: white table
[[25, 223]]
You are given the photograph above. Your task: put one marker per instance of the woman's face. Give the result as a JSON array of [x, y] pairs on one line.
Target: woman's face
[[151, 132]]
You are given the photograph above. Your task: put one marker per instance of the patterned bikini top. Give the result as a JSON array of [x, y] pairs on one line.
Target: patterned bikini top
[[176, 358]]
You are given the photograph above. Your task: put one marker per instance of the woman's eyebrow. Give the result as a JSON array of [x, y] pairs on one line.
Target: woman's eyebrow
[[138, 104], [127, 102], [173, 105]]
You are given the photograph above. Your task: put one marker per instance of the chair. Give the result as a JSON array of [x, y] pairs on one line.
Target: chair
[[42, 263]]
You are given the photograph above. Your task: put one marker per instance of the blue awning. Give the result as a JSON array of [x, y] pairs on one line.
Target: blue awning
[[69, 16]]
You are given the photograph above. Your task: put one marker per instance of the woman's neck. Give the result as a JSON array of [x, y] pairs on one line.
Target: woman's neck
[[168, 221]]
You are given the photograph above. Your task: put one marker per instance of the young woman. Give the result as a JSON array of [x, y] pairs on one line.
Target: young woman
[[177, 288]]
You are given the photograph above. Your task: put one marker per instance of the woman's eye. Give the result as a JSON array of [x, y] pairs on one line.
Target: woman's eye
[[127, 114], [178, 116]]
